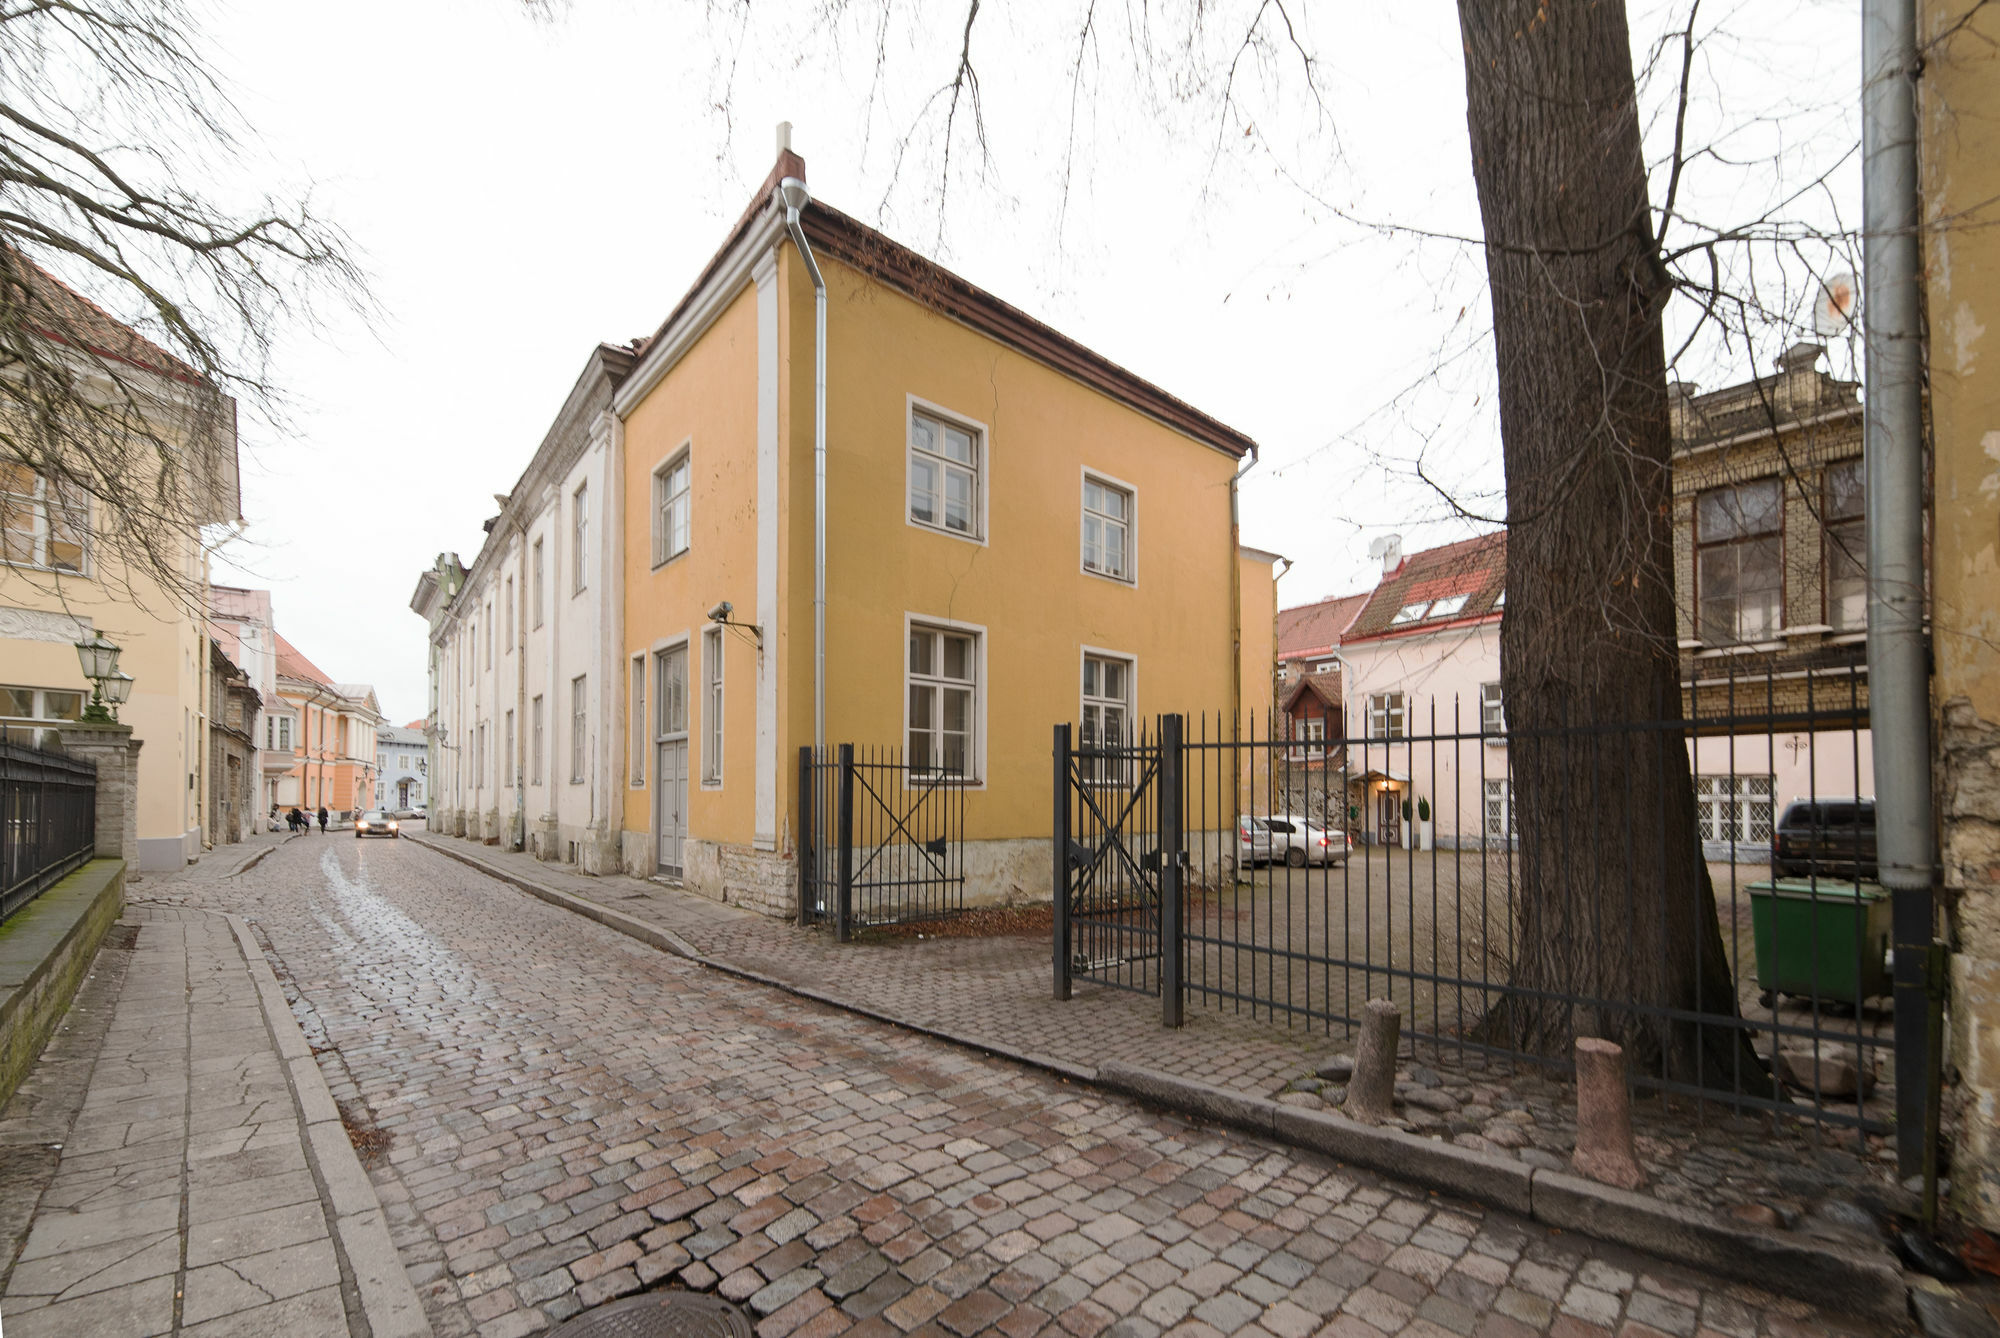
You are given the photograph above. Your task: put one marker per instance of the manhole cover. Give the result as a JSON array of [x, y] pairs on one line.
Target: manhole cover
[[660, 1315]]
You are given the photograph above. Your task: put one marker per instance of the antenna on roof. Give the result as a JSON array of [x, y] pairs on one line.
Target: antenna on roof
[[1838, 304], [1389, 550]]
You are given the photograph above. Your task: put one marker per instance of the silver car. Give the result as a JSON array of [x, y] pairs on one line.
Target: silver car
[[1288, 837]]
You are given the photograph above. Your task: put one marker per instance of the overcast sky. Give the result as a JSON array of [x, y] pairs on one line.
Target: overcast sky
[[520, 190]]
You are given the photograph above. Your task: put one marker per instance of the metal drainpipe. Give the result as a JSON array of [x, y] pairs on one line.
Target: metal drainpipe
[[1898, 667], [1236, 601], [793, 193]]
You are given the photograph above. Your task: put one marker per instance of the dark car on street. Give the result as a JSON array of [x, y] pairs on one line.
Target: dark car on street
[[376, 823], [1825, 838]]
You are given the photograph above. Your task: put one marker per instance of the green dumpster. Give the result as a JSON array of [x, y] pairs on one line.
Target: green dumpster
[[1821, 936]]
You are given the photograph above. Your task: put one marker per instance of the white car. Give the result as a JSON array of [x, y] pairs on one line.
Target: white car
[[1288, 837]]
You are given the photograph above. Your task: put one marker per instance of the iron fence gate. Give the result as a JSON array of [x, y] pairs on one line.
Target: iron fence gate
[[1295, 879], [881, 842], [48, 821]]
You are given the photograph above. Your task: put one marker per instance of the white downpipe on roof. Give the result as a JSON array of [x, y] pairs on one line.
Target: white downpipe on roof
[[793, 193]]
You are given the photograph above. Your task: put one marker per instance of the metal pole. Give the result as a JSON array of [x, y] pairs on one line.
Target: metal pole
[[1172, 1005], [1898, 669], [843, 911], [1059, 872]]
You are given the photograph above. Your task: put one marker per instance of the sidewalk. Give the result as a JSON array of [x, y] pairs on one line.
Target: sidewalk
[[185, 1166]]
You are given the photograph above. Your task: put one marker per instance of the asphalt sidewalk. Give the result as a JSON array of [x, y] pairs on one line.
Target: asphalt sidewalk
[[175, 1161]]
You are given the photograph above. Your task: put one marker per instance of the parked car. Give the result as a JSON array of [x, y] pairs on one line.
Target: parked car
[[400, 813], [1828, 838], [1288, 837], [376, 823]]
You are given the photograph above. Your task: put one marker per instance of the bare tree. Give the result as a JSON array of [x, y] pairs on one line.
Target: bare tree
[[136, 308]]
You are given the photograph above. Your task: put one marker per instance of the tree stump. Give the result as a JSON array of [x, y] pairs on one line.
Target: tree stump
[[1373, 1086], [1604, 1116]]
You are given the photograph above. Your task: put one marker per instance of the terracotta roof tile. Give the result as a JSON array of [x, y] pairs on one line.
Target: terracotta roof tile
[[1326, 687], [292, 664], [1475, 568], [57, 311], [1316, 627]]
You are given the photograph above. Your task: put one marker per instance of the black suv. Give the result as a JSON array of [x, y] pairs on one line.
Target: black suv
[[1830, 838]]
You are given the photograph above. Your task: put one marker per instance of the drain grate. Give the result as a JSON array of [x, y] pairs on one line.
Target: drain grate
[[660, 1315]]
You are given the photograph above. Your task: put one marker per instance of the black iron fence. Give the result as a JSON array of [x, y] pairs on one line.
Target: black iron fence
[[48, 821], [1508, 889], [881, 842]]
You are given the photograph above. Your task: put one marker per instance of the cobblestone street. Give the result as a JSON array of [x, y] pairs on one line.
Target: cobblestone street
[[554, 1115]]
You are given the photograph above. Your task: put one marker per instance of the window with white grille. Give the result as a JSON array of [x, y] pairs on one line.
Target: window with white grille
[[1385, 715], [1107, 716], [1492, 710], [943, 681], [1735, 809], [1498, 800], [945, 476], [1107, 528], [670, 508]]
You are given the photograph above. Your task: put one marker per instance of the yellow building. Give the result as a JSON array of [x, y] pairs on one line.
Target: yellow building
[[1018, 533], [62, 576]]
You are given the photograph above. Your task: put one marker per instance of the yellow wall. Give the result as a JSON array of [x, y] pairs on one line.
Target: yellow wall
[[710, 399]]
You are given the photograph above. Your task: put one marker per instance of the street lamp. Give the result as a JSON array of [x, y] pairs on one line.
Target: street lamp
[[100, 665]]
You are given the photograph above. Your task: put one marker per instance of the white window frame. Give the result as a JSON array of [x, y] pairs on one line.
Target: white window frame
[[579, 724], [662, 651], [540, 582], [712, 718], [1130, 576], [40, 505], [1728, 805], [1498, 823], [42, 712], [1394, 709], [636, 716], [579, 529], [982, 473], [663, 503], [1103, 773], [510, 617], [1492, 712], [980, 693], [538, 714]]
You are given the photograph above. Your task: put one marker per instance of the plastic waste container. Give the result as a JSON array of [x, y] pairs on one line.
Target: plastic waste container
[[1821, 937]]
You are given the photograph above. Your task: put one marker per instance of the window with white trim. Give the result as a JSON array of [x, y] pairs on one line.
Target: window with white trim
[[579, 519], [1736, 810], [535, 742], [670, 508], [1738, 565], [946, 469], [1385, 715], [1498, 801], [1107, 717], [43, 523], [510, 616], [43, 704], [579, 713], [1846, 547], [943, 697], [1107, 529], [278, 733], [636, 715], [1309, 729], [670, 696], [711, 706], [1492, 710], [539, 585]]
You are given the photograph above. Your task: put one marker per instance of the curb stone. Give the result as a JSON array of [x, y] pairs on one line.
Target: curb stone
[[1866, 1285], [388, 1301]]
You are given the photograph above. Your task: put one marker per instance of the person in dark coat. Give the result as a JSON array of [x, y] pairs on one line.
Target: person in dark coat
[[322, 817], [295, 819]]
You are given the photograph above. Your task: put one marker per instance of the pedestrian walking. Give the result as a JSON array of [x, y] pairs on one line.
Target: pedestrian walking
[[322, 818], [296, 819]]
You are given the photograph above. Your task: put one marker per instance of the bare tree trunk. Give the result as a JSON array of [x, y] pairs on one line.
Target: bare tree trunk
[[1615, 904]]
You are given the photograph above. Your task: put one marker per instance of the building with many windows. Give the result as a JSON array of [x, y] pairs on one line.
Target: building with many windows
[[402, 760], [328, 730]]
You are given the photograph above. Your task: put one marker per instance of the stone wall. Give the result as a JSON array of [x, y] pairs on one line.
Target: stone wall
[[46, 949]]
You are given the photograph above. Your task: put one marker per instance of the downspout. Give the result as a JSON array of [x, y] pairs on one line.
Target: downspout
[[793, 192], [1898, 655], [1236, 601]]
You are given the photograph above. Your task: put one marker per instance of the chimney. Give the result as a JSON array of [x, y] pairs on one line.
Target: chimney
[[1391, 552], [784, 137]]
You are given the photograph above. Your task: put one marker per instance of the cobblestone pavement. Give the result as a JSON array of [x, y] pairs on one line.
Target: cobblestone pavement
[[562, 1116]]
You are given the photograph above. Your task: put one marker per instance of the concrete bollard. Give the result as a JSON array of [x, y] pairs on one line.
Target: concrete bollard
[[1604, 1115], [1373, 1086]]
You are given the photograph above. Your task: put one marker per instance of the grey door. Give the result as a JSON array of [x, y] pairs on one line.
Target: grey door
[[671, 788]]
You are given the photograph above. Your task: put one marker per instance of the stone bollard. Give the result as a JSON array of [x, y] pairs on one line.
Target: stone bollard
[[1373, 1086], [1604, 1115]]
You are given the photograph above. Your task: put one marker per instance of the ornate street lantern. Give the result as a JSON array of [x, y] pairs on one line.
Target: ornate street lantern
[[100, 665]]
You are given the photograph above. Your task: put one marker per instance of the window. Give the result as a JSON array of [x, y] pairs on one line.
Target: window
[[507, 768], [1107, 529], [40, 704], [1492, 710], [1331, 666], [1734, 809], [1385, 715], [580, 537], [1107, 717], [712, 707], [538, 583], [510, 615], [637, 718], [943, 670], [479, 760], [42, 523], [1499, 811], [1309, 729], [535, 742], [670, 508], [1449, 607], [1846, 548], [944, 476], [1739, 582], [1410, 613], [670, 695], [278, 733], [579, 705], [489, 636]]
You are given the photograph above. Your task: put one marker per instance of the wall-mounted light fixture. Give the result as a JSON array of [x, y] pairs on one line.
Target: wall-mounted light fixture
[[719, 615]]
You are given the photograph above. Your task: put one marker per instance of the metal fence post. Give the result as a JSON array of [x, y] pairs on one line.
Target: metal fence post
[[1173, 1004], [1059, 872], [807, 847], [843, 911]]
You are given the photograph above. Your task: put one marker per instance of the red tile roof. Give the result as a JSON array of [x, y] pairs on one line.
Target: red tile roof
[[1326, 687], [1313, 628], [1475, 568], [414, 724], [292, 664], [57, 311]]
